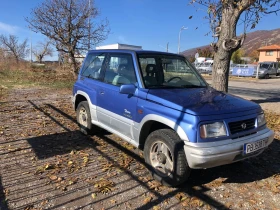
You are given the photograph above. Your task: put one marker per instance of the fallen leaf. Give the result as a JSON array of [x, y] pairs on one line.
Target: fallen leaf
[[53, 177], [93, 195], [147, 199], [113, 201], [49, 166]]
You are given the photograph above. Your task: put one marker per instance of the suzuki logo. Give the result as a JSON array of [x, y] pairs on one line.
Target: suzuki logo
[[243, 125]]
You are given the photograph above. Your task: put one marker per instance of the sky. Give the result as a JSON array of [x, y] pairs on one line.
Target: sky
[[151, 24]]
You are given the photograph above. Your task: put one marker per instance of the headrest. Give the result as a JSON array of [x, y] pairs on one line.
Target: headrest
[[122, 68], [151, 68]]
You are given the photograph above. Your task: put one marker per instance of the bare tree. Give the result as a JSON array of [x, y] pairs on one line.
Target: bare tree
[[205, 52], [42, 50], [223, 16], [70, 25], [13, 47]]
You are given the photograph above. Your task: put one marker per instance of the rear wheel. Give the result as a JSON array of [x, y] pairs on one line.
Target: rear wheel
[[84, 118], [164, 153]]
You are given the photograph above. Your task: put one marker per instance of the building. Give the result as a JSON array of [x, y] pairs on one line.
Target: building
[[119, 46], [269, 53]]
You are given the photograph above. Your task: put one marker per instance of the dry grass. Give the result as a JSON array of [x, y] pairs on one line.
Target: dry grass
[[23, 74]]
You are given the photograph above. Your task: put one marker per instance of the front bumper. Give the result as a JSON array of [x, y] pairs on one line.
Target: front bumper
[[208, 155]]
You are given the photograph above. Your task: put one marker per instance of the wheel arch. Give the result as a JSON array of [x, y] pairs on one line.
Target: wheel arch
[[148, 128], [155, 122], [79, 99], [81, 96]]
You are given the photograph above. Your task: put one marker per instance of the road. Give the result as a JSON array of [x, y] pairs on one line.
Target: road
[[268, 89], [268, 94]]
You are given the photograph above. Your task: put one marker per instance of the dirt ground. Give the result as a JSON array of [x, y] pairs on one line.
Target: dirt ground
[[46, 163]]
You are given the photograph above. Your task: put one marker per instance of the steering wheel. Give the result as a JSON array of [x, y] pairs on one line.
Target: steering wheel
[[172, 78]]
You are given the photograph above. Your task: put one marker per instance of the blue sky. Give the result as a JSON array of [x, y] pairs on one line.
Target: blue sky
[[148, 23]]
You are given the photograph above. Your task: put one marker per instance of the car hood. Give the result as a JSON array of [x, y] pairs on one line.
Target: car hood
[[200, 101]]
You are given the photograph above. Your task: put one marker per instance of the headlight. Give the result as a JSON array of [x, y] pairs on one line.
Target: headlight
[[212, 130], [261, 72], [261, 120]]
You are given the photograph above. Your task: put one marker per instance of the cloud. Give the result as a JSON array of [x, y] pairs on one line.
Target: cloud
[[122, 39], [8, 28]]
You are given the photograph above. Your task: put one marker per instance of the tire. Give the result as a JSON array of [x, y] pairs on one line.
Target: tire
[[166, 159], [84, 118], [266, 76]]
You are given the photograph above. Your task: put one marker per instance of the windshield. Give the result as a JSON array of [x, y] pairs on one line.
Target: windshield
[[264, 65], [168, 71]]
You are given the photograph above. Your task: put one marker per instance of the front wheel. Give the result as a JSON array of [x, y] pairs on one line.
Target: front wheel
[[84, 118], [266, 76], [164, 154]]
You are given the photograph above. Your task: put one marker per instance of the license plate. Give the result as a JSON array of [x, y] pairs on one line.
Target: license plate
[[254, 146]]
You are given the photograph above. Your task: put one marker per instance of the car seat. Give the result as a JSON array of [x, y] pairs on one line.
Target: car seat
[[150, 78], [121, 78]]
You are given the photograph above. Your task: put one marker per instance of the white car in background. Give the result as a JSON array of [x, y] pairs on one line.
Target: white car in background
[[205, 67]]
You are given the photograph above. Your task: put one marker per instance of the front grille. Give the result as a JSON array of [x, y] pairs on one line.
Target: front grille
[[240, 126]]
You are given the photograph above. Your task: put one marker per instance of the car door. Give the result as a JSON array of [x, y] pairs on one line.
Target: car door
[[271, 69], [274, 67], [115, 110]]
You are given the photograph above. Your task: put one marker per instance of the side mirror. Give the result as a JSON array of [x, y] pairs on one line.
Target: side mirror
[[128, 89]]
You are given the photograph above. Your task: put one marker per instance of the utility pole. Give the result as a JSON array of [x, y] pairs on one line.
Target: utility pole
[[31, 47], [182, 28], [89, 6], [167, 46]]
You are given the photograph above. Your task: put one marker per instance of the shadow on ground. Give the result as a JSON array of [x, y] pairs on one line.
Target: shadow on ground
[[266, 95], [268, 100], [110, 159], [3, 203]]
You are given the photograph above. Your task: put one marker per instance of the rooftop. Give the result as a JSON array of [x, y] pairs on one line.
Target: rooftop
[[270, 47]]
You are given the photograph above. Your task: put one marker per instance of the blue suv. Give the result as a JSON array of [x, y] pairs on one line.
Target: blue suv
[[159, 103]]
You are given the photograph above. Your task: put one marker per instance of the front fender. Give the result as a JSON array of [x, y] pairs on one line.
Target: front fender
[[153, 117]]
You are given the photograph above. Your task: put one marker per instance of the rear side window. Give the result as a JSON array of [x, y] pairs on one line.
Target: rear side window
[[92, 65]]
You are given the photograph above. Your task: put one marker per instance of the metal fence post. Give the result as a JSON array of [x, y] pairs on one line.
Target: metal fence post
[[258, 67]]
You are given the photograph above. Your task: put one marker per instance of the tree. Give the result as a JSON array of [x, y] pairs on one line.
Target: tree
[[42, 50], [236, 56], [223, 16], [205, 52], [13, 47], [70, 25], [254, 55], [191, 58]]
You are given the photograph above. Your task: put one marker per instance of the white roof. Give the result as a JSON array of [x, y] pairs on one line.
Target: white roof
[[119, 46]]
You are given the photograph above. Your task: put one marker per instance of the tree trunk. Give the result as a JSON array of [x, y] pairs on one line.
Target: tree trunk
[[74, 65], [221, 70], [223, 54], [40, 58]]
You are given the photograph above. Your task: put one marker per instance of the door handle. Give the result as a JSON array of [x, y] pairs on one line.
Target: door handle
[[102, 92]]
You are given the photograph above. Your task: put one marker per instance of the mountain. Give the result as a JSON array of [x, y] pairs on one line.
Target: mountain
[[254, 40]]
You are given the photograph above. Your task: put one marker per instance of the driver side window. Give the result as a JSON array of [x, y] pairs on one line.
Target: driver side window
[[120, 70]]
